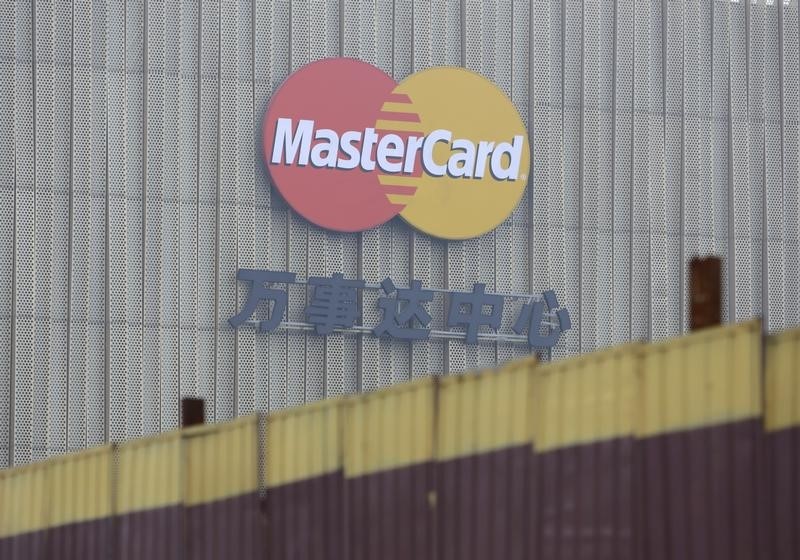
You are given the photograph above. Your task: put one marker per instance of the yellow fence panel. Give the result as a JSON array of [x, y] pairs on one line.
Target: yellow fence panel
[[221, 460], [782, 381], [484, 411], [390, 428], [3, 494], [26, 497], [149, 473], [80, 486], [705, 378], [584, 399], [303, 443]]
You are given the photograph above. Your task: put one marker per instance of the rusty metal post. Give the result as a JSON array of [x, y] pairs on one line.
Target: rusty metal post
[[705, 290], [192, 412]]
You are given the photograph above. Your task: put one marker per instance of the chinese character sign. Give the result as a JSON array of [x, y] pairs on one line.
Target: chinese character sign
[[334, 305], [399, 324]]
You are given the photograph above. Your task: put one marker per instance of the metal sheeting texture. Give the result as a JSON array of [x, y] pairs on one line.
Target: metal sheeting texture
[[192, 493], [60, 508], [134, 188], [782, 445], [698, 446], [579, 458]]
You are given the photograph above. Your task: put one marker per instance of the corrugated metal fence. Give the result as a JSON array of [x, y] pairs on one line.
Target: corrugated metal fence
[[688, 448]]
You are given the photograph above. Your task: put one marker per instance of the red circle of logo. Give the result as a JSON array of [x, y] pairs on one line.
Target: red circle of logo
[[317, 190]]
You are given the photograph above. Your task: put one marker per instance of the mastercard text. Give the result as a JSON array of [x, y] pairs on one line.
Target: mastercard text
[[303, 145]]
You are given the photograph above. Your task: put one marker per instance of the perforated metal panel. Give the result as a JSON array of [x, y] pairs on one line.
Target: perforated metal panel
[[518, 277], [245, 200], [227, 181], [790, 103], [774, 310], [24, 227], [43, 100], [640, 203], [138, 397], [656, 195], [721, 142], [742, 249], [170, 219], [134, 188], [117, 306], [7, 187], [669, 301], [207, 218], [755, 160], [572, 164], [623, 142], [96, 393], [80, 226], [60, 255]]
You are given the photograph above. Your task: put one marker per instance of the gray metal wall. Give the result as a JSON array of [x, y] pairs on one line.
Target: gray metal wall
[[132, 189]]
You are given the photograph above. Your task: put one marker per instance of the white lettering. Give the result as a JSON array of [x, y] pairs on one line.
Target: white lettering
[[413, 146], [390, 146], [366, 149], [286, 143], [514, 151], [329, 146], [462, 163], [348, 139], [433, 168], [393, 154], [484, 151]]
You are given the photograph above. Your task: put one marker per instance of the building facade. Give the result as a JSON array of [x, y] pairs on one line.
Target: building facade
[[133, 189]]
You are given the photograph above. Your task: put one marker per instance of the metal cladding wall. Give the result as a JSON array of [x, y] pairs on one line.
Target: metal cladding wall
[[133, 188], [642, 451]]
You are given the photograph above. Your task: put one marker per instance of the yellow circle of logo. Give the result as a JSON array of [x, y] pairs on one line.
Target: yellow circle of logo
[[480, 163]]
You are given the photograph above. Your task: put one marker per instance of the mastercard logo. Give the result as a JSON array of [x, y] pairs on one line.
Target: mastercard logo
[[349, 148]]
